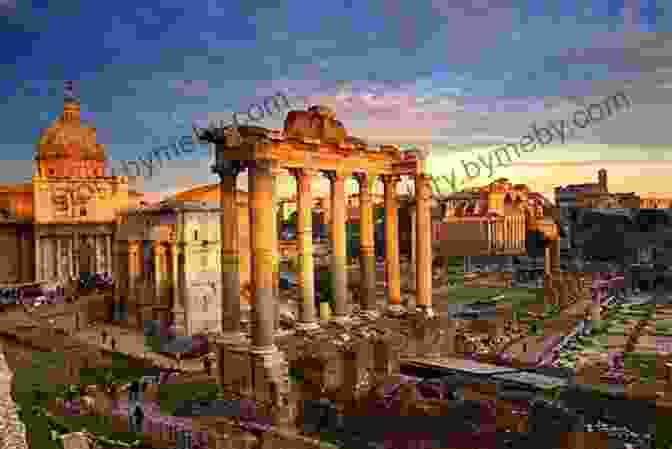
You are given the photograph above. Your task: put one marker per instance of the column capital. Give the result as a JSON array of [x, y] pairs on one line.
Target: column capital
[[336, 175], [264, 164], [366, 181], [360, 177], [423, 188], [158, 247], [423, 177], [300, 172], [391, 179], [228, 168], [277, 170]]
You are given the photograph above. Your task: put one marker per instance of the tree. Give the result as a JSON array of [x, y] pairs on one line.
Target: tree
[[379, 215], [293, 218]]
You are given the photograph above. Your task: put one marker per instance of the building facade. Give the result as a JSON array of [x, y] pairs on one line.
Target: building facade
[[169, 263], [62, 223]]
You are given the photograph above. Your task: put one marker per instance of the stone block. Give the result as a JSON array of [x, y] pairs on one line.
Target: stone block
[[77, 440], [315, 124], [386, 357], [235, 369], [270, 376], [357, 369]]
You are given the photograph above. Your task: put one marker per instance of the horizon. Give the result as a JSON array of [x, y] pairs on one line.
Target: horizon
[[405, 75]]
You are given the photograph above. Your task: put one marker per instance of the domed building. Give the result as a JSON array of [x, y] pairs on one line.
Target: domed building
[[62, 223]]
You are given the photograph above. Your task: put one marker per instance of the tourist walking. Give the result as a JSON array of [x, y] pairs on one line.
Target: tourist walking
[[136, 421], [207, 364], [134, 391], [183, 439], [103, 335], [113, 344]]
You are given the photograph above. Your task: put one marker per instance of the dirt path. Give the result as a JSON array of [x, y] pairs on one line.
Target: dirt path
[[526, 350]]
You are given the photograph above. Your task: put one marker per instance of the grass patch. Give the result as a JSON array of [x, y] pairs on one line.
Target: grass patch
[[34, 391], [468, 295], [645, 363], [171, 396]]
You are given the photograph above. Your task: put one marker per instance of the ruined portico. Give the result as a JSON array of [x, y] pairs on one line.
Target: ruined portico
[[313, 143]]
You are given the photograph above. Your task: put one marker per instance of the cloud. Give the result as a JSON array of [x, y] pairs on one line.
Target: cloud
[[7, 7], [191, 88]]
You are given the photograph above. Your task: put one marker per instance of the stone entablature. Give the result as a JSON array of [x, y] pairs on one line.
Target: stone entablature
[[299, 152]]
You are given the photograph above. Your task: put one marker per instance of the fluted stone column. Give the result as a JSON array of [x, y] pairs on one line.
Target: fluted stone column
[[96, 254], [230, 264], [547, 259], [108, 253], [339, 263], [71, 258], [133, 269], [134, 274], [157, 250], [38, 260], [412, 271], [178, 308], [25, 268], [276, 171], [367, 244], [264, 265], [423, 236], [57, 260], [304, 239], [555, 255], [392, 267], [76, 250]]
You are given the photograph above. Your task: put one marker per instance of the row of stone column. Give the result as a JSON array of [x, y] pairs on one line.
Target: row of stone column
[[72, 264], [264, 255], [160, 255]]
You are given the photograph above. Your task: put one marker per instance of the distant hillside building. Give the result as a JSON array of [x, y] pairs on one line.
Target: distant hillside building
[[573, 198]]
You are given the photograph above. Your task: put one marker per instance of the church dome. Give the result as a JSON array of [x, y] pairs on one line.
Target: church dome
[[69, 138]]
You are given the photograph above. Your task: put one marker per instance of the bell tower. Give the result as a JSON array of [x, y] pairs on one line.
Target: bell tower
[[602, 180]]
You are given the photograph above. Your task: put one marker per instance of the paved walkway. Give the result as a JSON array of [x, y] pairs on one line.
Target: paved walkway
[[132, 342]]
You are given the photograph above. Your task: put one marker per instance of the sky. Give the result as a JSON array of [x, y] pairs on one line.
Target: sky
[[456, 77]]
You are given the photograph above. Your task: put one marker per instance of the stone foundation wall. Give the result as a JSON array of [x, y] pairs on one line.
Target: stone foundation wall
[[497, 279], [12, 430]]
